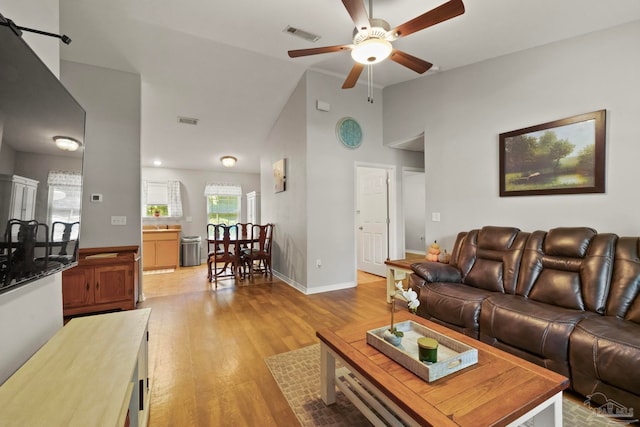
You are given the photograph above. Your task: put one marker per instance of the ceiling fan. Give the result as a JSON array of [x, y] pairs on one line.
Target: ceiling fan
[[372, 38]]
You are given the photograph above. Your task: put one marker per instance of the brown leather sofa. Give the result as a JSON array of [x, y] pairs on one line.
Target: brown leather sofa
[[566, 299]]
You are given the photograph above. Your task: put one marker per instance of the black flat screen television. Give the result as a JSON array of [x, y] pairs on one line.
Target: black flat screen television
[[40, 184]]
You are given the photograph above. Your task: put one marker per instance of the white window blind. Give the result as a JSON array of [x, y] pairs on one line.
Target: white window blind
[[157, 193], [162, 193], [65, 192]]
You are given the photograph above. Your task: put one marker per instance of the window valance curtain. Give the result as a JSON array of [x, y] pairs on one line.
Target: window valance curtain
[[64, 179], [222, 190]]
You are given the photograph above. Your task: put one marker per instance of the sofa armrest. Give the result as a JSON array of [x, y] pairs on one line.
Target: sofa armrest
[[437, 272]]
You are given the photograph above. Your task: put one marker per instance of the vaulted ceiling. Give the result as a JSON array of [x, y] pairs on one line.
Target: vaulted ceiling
[[225, 62]]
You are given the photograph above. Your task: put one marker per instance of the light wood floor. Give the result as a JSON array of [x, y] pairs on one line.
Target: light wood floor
[[207, 347]]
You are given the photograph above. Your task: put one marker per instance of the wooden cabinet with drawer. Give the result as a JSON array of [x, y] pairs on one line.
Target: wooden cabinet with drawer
[[104, 279], [160, 248]]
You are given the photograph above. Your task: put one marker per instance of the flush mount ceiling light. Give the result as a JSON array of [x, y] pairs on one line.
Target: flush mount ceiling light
[[228, 161], [157, 163], [66, 143], [371, 51]]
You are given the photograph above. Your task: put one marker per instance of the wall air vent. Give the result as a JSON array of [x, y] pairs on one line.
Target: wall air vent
[[187, 120], [301, 33]]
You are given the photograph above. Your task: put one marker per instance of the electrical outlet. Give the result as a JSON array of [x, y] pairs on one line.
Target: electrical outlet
[[435, 216], [118, 220]]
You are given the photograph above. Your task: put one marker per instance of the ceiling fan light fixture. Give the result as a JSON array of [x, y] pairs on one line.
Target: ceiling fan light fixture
[[371, 51], [228, 161], [66, 143]]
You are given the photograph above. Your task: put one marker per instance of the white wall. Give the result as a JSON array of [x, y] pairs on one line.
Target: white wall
[[31, 314], [112, 152], [463, 111], [287, 210], [192, 192], [40, 15], [315, 217]]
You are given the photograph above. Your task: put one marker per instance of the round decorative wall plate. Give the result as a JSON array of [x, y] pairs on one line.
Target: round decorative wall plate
[[349, 132]]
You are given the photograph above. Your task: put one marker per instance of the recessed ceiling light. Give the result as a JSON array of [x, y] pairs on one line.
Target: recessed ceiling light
[[157, 163]]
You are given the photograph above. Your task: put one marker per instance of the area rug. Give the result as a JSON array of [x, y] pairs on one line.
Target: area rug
[[297, 373]]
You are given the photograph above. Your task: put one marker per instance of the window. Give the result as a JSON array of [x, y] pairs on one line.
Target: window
[[223, 203], [161, 198], [65, 197]]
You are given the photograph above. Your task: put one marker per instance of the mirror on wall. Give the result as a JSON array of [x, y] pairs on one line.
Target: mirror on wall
[[40, 182]]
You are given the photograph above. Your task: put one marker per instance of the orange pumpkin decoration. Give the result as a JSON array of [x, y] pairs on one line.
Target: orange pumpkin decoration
[[433, 252]]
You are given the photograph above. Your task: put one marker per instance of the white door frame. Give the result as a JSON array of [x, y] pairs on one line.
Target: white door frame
[[393, 208]]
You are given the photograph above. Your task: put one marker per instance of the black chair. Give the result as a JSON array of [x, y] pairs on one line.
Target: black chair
[[64, 242], [21, 258]]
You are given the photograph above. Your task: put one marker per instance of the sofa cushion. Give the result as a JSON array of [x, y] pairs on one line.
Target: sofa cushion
[[568, 267], [437, 272], [605, 349], [538, 329], [489, 258], [624, 298], [454, 305]]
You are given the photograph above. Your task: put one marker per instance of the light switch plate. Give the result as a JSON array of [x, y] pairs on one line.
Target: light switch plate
[[435, 216], [118, 220]]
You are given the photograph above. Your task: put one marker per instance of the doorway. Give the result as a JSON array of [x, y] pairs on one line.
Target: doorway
[[375, 237], [413, 208]]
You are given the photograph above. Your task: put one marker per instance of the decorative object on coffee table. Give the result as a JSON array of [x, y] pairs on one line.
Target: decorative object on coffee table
[[393, 335]]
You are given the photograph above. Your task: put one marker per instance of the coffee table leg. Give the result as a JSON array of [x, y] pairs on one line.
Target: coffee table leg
[[327, 375], [547, 414]]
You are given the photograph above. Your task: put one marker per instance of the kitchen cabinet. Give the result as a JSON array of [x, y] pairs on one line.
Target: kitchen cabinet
[[160, 247], [21, 194], [104, 279]]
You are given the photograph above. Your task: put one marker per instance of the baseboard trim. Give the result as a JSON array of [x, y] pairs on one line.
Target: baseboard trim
[[314, 290]]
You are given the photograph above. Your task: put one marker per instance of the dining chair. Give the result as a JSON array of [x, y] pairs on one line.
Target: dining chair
[[21, 259], [245, 229], [64, 235], [224, 250], [257, 255]]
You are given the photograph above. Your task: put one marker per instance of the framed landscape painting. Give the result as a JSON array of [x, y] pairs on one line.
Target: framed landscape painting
[[561, 157]]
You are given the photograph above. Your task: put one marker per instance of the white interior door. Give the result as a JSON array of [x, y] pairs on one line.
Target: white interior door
[[372, 219]]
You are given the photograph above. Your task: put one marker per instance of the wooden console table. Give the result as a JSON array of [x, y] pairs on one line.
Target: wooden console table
[[104, 279], [397, 270], [93, 372]]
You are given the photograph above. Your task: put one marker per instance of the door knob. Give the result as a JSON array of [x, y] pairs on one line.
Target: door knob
[[360, 228]]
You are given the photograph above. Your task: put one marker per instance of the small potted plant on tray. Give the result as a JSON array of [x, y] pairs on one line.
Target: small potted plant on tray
[[393, 335]]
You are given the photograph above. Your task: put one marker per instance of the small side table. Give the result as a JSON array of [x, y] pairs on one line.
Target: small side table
[[397, 270]]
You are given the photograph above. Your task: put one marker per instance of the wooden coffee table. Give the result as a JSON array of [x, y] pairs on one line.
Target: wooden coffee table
[[501, 389]]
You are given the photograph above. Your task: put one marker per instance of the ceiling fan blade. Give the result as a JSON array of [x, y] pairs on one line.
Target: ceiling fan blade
[[358, 13], [317, 50], [416, 64], [353, 76], [449, 10]]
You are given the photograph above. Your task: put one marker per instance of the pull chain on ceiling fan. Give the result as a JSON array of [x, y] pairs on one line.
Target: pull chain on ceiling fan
[[372, 39]]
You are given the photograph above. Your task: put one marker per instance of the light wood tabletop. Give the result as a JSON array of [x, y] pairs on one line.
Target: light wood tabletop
[[498, 390]]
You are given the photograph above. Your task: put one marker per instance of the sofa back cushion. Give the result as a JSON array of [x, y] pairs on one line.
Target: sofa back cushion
[[569, 267], [489, 258], [624, 299]]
